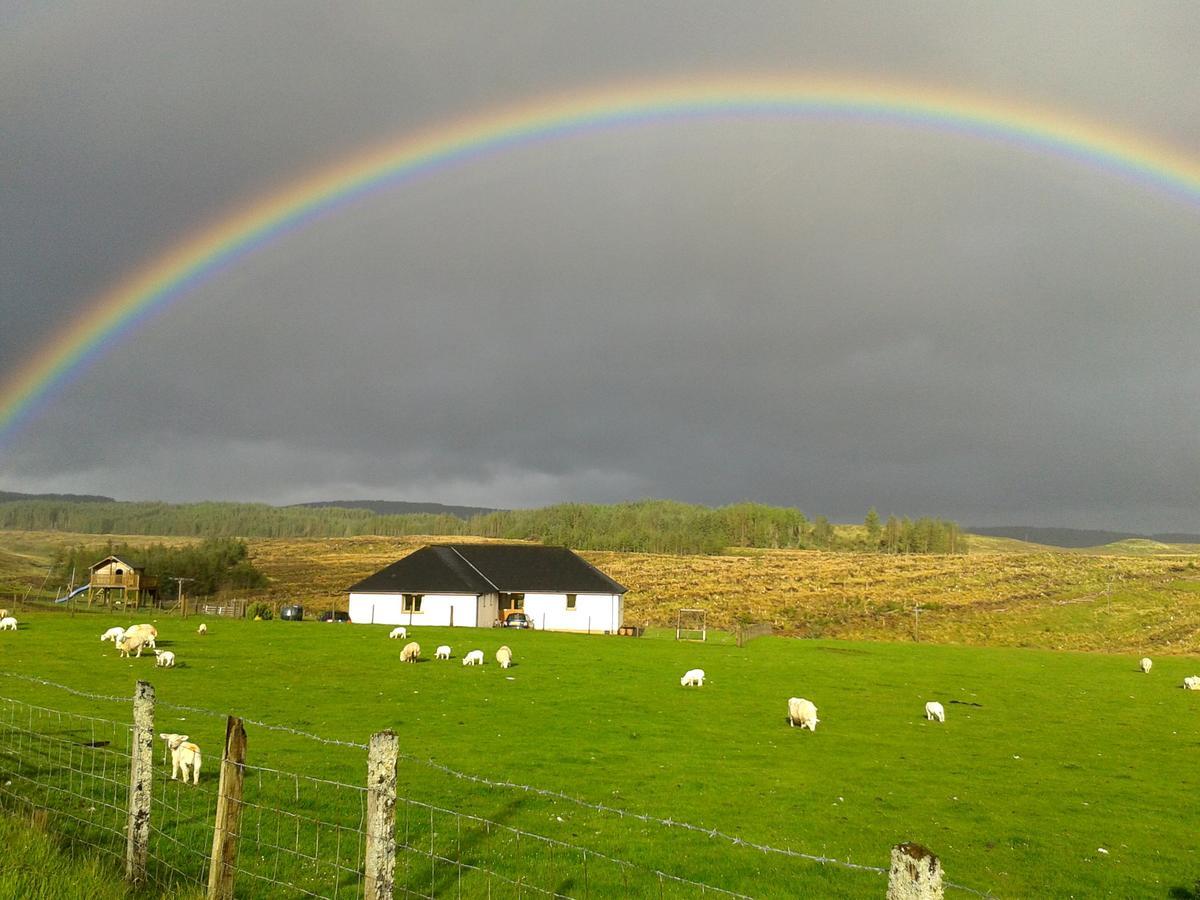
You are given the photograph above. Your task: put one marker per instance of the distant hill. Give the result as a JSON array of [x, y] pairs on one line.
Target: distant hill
[[400, 507], [1078, 537], [13, 497]]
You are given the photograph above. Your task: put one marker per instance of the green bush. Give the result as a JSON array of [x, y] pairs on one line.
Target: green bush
[[259, 610]]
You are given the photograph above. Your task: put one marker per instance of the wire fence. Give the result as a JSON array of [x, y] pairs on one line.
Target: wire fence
[[74, 765], [300, 835]]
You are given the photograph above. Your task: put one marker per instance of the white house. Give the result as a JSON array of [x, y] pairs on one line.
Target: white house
[[477, 585]]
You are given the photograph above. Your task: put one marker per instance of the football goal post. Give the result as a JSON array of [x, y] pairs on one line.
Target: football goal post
[[691, 625]]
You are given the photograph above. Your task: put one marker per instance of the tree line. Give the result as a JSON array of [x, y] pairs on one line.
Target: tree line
[[651, 526]]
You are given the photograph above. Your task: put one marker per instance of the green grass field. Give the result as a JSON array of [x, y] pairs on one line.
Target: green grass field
[[36, 866], [1044, 759]]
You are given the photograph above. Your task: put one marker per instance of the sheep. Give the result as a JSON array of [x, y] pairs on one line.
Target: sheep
[[411, 652], [399, 632], [1146, 664], [692, 678], [8, 623], [185, 756], [202, 630], [1192, 683], [802, 712], [146, 631], [442, 652], [935, 710], [504, 657], [3, 613], [474, 658], [131, 642], [113, 634], [164, 659]]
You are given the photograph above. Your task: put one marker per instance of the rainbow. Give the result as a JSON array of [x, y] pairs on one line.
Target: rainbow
[[114, 315]]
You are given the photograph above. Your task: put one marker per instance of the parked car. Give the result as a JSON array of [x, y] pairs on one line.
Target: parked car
[[292, 613], [334, 615], [516, 620]]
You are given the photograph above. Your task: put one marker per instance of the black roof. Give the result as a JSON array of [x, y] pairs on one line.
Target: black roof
[[484, 568]]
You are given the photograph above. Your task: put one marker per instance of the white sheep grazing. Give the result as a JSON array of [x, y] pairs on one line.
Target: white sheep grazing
[[164, 659], [399, 632], [442, 652], [185, 757], [1192, 683], [935, 710], [1146, 664], [8, 623], [474, 658], [203, 629], [113, 634], [411, 652], [131, 642], [803, 713], [147, 633], [504, 657], [692, 678]]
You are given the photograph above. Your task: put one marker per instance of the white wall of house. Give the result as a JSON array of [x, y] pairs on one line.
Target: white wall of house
[[599, 612], [388, 609]]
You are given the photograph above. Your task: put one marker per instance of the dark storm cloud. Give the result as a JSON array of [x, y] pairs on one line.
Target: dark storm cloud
[[828, 315]]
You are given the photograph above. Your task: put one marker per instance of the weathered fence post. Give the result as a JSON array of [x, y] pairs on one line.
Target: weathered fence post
[[379, 856], [137, 840], [223, 864], [916, 874]]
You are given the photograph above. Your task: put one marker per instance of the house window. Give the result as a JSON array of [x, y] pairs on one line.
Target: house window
[[412, 602], [570, 601]]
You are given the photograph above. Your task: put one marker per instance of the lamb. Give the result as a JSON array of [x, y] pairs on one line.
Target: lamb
[[399, 632], [442, 652], [411, 652], [185, 756], [504, 657], [113, 634], [692, 678], [202, 630], [935, 710], [146, 631], [1146, 664], [8, 623], [803, 713], [164, 659], [1192, 683], [131, 642], [474, 658]]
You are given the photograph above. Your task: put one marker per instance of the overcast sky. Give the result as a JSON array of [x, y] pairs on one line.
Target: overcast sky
[[824, 314]]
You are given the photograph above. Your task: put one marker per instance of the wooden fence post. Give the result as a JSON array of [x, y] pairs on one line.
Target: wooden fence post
[[379, 856], [223, 864], [137, 840], [916, 874]]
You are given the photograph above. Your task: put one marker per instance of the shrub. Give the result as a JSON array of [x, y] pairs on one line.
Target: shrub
[[259, 610]]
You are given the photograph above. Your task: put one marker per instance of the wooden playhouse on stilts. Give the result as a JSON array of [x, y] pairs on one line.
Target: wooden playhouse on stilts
[[130, 584]]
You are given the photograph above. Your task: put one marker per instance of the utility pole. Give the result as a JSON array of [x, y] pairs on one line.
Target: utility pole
[[917, 623], [179, 583]]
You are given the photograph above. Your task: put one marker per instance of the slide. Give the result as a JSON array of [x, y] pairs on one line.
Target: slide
[[76, 592]]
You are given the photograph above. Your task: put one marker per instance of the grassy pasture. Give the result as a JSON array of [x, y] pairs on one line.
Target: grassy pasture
[[36, 866], [1045, 757]]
